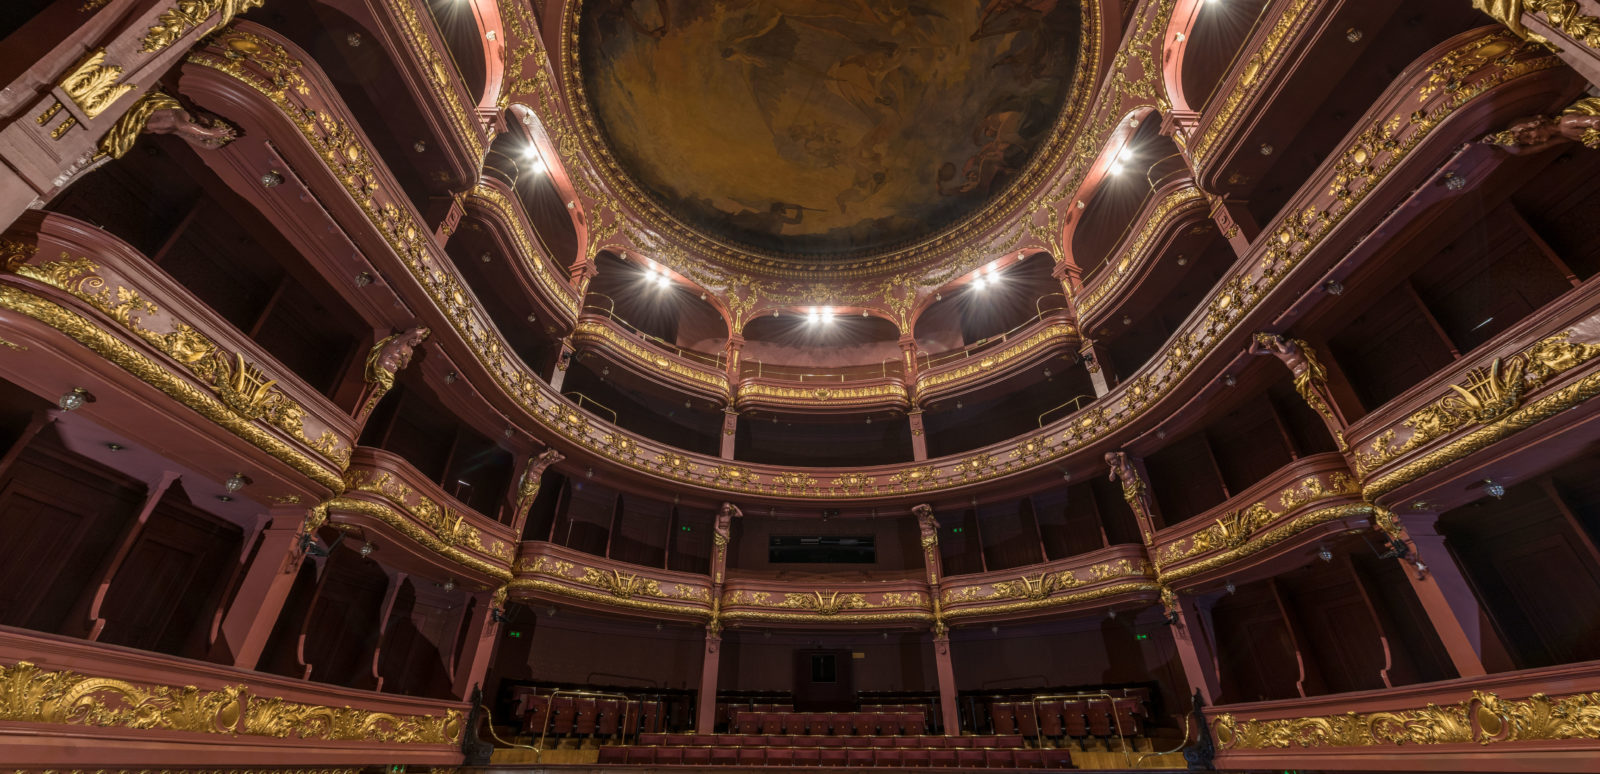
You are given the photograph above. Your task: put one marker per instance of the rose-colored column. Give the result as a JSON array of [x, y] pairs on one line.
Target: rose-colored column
[[91, 624], [477, 649], [558, 376], [947, 682], [267, 581], [705, 716], [1237, 224], [1446, 596], [1192, 637], [730, 427], [933, 565], [919, 437]]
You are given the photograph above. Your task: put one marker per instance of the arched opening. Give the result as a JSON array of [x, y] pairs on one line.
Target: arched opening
[[1147, 163], [464, 45], [1219, 30]]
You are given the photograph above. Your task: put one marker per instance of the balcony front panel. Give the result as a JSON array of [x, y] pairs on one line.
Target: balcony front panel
[[67, 700], [977, 366], [385, 493], [1530, 720], [1163, 218], [1412, 132], [1304, 501], [416, 44], [820, 603], [547, 571], [674, 372], [1539, 369], [101, 292], [1096, 580], [542, 275], [833, 398]]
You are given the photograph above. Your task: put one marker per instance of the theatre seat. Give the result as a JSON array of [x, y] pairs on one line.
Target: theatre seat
[[1002, 715], [886, 757], [696, 756], [584, 720], [859, 756], [780, 756], [669, 756], [970, 757], [1098, 712], [1072, 718], [807, 756], [724, 756], [1028, 759], [943, 758], [817, 724], [644, 755], [1027, 720], [617, 754], [752, 756], [1050, 719], [771, 723], [608, 719], [999, 759], [832, 756], [915, 758]]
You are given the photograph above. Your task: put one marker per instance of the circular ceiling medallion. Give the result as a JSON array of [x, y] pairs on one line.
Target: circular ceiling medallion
[[825, 130]]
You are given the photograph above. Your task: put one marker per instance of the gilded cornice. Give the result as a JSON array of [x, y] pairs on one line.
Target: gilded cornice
[[186, 15], [1049, 588], [1236, 527], [766, 392], [440, 77], [1489, 397], [1136, 252], [455, 541], [30, 694], [1250, 78], [1350, 176], [965, 370], [448, 524], [693, 246], [650, 361], [495, 201], [114, 350], [825, 606], [632, 588], [1481, 719]]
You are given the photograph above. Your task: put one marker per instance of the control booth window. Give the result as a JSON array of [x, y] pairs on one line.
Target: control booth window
[[822, 549]]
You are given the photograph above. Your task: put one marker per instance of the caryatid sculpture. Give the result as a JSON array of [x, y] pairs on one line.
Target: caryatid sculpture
[[1310, 376], [722, 530], [929, 527], [1135, 490], [385, 360], [528, 486], [1580, 123]]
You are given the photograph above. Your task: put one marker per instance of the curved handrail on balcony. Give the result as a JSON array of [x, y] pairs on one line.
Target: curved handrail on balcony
[[931, 361], [1321, 225], [583, 400], [1076, 403], [890, 367], [494, 198], [1134, 252], [1100, 578], [414, 43], [1043, 335], [548, 571], [610, 313]]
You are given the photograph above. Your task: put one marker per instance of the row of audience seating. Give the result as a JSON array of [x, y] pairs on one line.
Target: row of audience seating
[[837, 756], [1074, 717], [589, 716], [824, 723], [764, 740]]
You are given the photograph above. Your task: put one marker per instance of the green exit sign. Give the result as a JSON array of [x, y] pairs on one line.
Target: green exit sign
[[685, 528], [956, 530], [514, 633], [1141, 636]]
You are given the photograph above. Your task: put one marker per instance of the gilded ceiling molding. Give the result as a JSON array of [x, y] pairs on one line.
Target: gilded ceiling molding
[[1483, 718], [631, 589], [1248, 80], [30, 694], [672, 368], [1561, 15], [1141, 588], [440, 76], [743, 262], [117, 352], [1475, 66], [186, 15], [1174, 204], [496, 202]]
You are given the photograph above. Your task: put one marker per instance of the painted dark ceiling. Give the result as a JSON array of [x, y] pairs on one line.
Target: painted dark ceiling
[[825, 126]]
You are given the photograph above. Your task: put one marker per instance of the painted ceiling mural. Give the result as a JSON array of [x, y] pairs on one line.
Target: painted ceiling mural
[[826, 126]]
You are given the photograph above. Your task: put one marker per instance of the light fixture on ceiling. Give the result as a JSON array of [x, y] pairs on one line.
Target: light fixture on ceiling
[[1493, 489], [1229, 587], [235, 482], [449, 584], [1324, 554], [366, 549], [74, 400], [1121, 161]]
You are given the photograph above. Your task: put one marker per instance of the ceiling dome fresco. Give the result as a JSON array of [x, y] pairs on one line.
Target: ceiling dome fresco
[[826, 127]]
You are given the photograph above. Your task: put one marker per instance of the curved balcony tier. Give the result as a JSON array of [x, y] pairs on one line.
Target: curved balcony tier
[[648, 359], [779, 395], [205, 714], [103, 294], [1546, 365], [546, 571], [1413, 130], [1099, 580], [1169, 219], [1311, 499], [389, 497], [820, 602], [968, 370], [540, 274]]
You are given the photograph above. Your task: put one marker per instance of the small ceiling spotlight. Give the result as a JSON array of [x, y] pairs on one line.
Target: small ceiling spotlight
[[1267, 149], [1127, 320], [1229, 587], [449, 584], [1353, 35], [550, 612], [486, 257], [420, 146], [1112, 614], [994, 628], [1229, 379], [1333, 287], [1120, 163], [660, 278], [366, 549], [1324, 554], [660, 626], [886, 635], [116, 447], [225, 498], [235, 482], [74, 400], [766, 635], [1493, 489]]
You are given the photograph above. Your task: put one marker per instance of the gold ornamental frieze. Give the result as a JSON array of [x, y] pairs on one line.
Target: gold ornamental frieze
[[754, 392], [983, 364], [1492, 400], [1050, 587], [1236, 527], [442, 525], [493, 200], [248, 54], [238, 394], [624, 586], [1483, 718], [440, 75], [32, 694], [650, 361], [1139, 250], [841, 605], [186, 15]]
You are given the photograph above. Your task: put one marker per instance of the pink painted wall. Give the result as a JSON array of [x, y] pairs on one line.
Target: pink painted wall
[[570, 649]]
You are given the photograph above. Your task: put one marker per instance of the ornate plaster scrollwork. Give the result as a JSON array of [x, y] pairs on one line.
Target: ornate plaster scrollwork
[[385, 360], [1310, 376], [159, 113], [185, 15], [528, 487], [1579, 122], [1135, 490]]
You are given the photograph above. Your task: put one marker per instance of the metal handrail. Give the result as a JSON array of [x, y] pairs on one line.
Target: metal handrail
[[715, 361], [1135, 220], [761, 371], [549, 709], [580, 398], [1116, 721], [1075, 403], [1185, 743], [488, 716], [929, 360]]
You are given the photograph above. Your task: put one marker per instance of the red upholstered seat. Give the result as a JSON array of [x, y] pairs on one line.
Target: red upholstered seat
[[999, 759], [1028, 759], [608, 718], [942, 758], [880, 741], [669, 756], [867, 724], [780, 756], [1010, 740], [915, 758], [832, 756], [970, 757], [859, 756], [1057, 758], [911, 724], [650, 715], [561, 715], [1050, 719], [830, 741], [725, 756], [1129, 717], [1098, 711], [618, 754], [645, 755], [956, 742], [886, 757], [843, 724], [696, 756], [538, 710], [771, 723], [816, 724], [651, 739], [802, 741], [1002, 716], [584, 716], [677, 739], [807, 756], [747, 723], [1072, 717], [728, 740], [752, 756], [1027, 721]]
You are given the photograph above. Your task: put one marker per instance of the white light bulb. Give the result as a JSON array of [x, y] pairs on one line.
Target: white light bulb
[[1116, 167], [827, 315]]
